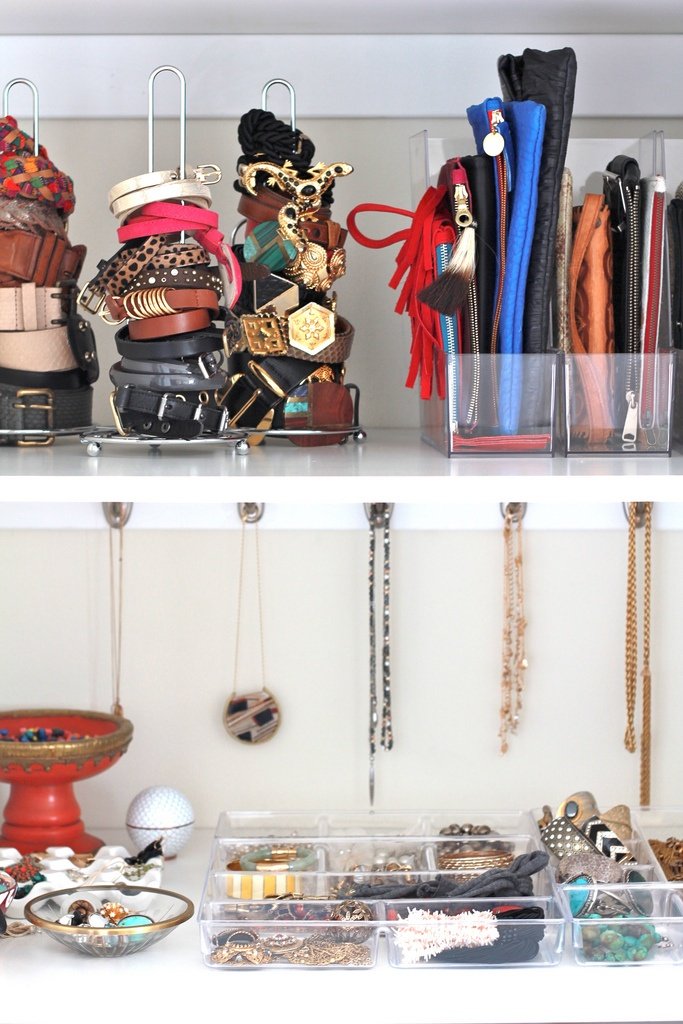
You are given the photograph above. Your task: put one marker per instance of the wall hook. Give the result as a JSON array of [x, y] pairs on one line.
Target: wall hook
[[515, 509], [117, 513], [640, 511], [250, 511], [377, 512]]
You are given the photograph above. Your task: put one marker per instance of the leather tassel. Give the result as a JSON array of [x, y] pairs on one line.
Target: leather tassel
[[448, 292]]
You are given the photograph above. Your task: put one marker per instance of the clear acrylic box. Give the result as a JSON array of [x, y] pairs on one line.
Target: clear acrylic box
[[599, 419], [326, 861], [493, 404], [634, 924]]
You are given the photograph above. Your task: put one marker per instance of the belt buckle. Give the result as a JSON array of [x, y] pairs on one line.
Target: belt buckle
[[39, 441], [263, 334], [89, 298]]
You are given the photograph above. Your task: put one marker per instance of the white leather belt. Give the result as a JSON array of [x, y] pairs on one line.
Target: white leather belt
[[36, 351], [30, 308]]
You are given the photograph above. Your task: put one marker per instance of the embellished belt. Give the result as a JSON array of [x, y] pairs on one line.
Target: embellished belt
[[312, 332]]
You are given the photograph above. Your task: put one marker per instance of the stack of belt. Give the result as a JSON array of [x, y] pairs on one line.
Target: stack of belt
[[48, 358], [287, 362], [165, 296]]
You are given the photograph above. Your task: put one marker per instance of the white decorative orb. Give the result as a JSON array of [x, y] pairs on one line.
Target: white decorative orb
[[160, 812]]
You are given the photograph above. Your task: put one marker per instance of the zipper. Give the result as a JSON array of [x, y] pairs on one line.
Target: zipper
[[449, 336], [631, 198], [651, 319], [463, 219]]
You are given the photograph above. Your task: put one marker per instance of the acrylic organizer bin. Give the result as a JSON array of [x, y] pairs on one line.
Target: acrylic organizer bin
[[325, 890], [501, 404], [622, 403], [635, 921]]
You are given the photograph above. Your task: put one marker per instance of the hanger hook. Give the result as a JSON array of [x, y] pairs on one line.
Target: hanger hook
[[5, 105], [378, 513], [516, 510], [183, 114], [292, 98], [250, 511], [117, 513], [640, 512]]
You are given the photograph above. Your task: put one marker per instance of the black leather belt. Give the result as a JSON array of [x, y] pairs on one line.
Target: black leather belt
[[80, 335], [166, 414], [182, 346], [260, 386], [39, 408]]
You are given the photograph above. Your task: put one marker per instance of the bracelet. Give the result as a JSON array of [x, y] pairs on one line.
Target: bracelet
[[168, 326], [279, 858]]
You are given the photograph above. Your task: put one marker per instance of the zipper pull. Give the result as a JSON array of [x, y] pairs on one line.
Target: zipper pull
[[494, 143], [463, 214], [630, 431]]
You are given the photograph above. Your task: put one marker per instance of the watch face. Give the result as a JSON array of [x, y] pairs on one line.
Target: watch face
[[252, 717]]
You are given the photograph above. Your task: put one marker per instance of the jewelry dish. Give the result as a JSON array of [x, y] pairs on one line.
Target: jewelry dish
[[143, 916]]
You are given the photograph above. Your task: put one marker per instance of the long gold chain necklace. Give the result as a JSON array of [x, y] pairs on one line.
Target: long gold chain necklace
[[639, 513], [514, 623]]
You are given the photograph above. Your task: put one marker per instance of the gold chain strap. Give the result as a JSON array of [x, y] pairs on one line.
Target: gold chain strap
[[631, 633], [646, 735]]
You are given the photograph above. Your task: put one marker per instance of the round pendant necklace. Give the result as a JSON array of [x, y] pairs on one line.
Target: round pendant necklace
[[252, 716]]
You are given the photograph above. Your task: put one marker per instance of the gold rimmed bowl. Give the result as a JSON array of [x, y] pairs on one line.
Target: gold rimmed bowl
[[136, 917]]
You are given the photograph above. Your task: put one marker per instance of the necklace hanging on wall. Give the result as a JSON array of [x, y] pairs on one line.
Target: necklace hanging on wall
[[514, 623], [639, 513], [117, 514], [379, 516], [250, 716]]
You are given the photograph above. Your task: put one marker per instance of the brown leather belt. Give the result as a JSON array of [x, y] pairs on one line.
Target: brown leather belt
[[144, 303], [43, 259], [167, 326]]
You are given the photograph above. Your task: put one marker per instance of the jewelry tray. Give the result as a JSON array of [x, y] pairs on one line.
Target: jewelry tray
[[245, 923]]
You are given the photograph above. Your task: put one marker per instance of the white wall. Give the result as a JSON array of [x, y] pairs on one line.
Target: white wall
[[179, 631]]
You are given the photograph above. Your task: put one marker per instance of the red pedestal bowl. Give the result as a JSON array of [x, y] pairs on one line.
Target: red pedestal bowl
[[42, 809]]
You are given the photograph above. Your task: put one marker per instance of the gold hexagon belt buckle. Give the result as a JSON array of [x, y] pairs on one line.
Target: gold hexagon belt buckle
[[264, 334], [311, 328]]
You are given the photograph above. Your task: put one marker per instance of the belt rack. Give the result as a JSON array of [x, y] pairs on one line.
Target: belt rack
[[239, 438], [44, 397]]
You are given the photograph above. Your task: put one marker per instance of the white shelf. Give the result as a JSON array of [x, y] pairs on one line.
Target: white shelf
[[73, 17], [171, 982], [391, 465]]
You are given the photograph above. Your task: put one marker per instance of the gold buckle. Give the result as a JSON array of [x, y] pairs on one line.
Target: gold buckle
[[266, 379], [263, 334], [87, 296], [49, 408]]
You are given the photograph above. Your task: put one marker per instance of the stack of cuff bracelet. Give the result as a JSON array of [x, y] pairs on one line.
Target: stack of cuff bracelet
[[596, 865], [48, 360], [269, 871], [165, 295], [287, 364]]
